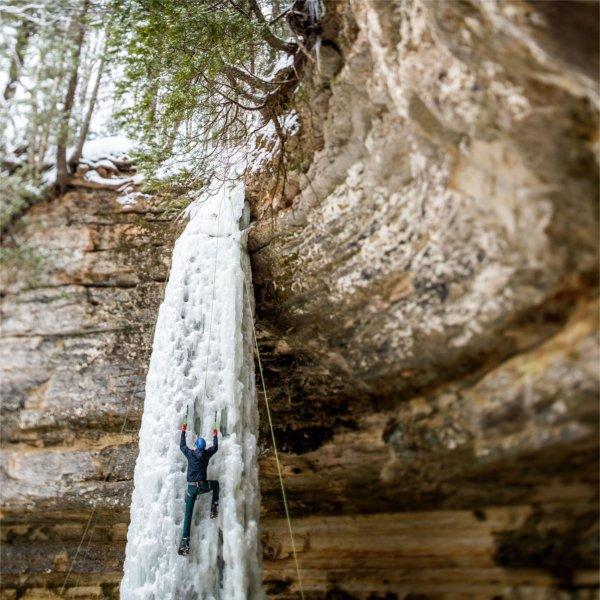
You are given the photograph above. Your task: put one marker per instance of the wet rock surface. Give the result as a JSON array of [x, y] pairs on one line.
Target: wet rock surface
[[77, 326]]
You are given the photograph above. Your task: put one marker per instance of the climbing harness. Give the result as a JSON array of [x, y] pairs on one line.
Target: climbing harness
[[276, 454]]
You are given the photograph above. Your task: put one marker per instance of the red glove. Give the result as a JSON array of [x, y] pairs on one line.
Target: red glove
[[215, 432], [183, 427]]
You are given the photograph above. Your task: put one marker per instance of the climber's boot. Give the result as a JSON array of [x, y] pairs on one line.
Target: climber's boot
[[184, 547], [214, 510]]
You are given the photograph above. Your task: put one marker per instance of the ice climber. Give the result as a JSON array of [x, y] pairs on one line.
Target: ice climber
[[197, 483]]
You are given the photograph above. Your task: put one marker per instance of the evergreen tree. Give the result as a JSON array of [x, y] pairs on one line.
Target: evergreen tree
[[198, 78]]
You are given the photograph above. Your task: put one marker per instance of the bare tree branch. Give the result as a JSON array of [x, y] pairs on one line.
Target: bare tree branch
[[251, 80], [234, 85], [267, 34], [16, 62]]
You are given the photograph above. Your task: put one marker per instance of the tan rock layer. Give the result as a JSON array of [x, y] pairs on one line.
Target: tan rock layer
[[78, 312], [425, 289], [443, 554], [439, 554]]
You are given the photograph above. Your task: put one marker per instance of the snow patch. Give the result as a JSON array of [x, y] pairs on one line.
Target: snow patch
[[116, 147], [111, 182], [267, 143]]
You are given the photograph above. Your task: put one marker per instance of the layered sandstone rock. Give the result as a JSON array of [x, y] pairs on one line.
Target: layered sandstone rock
[[426, 291], [427, 305], [78, 311]]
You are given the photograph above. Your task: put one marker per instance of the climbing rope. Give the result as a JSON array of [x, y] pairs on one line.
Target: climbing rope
[[212, 302], [276, 454]]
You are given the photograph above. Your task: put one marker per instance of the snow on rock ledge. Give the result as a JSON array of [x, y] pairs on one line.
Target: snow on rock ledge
[[107, 163], [115, 148]]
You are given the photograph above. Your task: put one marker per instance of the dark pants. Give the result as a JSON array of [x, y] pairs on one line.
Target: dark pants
[[191, 494]]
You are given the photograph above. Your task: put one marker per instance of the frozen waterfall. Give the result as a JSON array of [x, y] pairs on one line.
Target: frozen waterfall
[[201, 361]]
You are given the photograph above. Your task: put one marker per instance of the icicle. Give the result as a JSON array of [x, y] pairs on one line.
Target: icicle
[[318, 53], [316, 10], [201, 359]]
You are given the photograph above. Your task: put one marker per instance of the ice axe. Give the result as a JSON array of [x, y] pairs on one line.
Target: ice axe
[[184, 423], [222, 428]]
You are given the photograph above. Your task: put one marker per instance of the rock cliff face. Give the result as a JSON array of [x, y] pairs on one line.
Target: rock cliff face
[[426, 291], [78, 312]]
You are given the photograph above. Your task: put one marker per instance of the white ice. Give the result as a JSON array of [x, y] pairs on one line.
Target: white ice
[[201, 360]]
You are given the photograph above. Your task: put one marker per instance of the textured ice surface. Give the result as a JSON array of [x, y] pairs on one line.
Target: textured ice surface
[[201, 359]]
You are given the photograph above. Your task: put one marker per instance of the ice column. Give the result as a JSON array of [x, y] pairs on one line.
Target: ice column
[[202, 363]]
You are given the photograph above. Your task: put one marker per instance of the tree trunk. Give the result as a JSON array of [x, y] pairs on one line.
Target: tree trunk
[[62, 169], [16, 62], [85, 126], [34, 123], [32, 144], [50, 112]]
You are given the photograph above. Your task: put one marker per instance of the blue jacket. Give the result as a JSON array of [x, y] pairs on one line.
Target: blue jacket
[[197, 459]]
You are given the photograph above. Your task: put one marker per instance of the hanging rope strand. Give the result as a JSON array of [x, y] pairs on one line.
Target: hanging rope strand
[[212, 302], [276, 454], [107, 477], [87, 548]]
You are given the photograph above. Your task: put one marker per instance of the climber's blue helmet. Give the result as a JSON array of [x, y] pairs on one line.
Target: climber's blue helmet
[[200, 443]]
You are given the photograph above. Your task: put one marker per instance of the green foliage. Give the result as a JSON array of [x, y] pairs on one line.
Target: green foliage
[[165, 47], [17, 192], [174, 204], [173, 191], [186, 99]]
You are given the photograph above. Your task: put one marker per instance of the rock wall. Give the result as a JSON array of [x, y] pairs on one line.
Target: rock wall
[[427, 295], [78, 311], [426, 292]]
